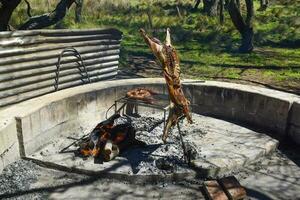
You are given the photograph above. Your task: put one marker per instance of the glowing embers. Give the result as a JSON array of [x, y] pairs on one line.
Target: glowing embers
[[108, 139]]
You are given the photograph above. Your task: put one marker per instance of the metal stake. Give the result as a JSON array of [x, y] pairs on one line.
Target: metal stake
[[185, 154]]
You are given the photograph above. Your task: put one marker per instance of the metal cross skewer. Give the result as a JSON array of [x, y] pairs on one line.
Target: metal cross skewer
[[185, 153]]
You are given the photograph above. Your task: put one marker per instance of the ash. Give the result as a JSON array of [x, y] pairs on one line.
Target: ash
[[156, 157], [17, 177]]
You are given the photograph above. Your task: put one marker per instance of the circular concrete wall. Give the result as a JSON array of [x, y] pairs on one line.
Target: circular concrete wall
[[28, 126]]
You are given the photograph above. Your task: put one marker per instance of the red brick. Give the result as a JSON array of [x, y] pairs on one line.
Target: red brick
[[233, 188], [214, 191]]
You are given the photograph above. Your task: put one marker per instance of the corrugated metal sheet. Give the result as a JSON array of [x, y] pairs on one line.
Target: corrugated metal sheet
[[28, 60]]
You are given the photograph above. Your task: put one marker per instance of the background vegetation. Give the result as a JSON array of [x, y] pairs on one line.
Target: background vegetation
[[208, 50]]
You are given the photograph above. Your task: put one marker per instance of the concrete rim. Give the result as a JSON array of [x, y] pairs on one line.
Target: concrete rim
[[210, 90]]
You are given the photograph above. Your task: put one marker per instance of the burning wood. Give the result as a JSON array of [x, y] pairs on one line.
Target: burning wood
[[142, 94], [167, 55], [108, 140]]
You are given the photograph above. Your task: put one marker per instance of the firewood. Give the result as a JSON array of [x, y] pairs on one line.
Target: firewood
[[108, 140]]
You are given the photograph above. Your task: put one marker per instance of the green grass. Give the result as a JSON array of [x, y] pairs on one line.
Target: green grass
[[206, 48]]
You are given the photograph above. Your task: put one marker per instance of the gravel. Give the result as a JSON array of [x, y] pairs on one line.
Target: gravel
[[17, 177], [25, 180], [156, 157]]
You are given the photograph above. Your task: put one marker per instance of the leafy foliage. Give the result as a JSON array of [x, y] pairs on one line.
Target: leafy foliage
[[207, 48]]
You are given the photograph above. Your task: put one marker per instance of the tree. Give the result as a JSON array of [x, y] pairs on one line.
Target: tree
[[263, 5], [78, 10], [197, 3], [210, 7], [6, 9], [244, 26], [36, 22], [48, 19]]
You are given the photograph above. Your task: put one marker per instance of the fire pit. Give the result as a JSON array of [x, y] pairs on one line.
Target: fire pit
[[219, 148], [222, 145]]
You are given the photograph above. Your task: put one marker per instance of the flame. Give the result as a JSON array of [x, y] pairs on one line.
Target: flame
[[95, 151], [119, 138]]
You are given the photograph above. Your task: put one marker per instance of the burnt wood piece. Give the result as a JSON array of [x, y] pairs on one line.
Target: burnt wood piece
[[122, 136], [213, 191], [169, 60], [232, 188]]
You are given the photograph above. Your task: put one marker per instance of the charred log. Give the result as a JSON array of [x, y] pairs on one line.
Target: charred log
[[48, 19], [107, 140], [6, 9]]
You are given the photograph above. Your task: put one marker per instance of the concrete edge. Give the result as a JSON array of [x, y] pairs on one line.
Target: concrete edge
[[135, 178], [8, 126]]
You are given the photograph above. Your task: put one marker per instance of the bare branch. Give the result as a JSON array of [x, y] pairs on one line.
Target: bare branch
[[28, 8], [48, 19]]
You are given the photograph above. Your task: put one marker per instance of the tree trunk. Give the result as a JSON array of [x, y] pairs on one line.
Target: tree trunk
[[238, 3], [243, 26], [45, 20], [6, 9], [247, 40], [149, 19], [197, 4], [211, 7], [78, 10], [222, 12], [263, 5]]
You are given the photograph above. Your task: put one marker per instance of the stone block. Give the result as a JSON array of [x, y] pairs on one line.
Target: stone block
[[233, 188], [53, 114], [294, 134], [214, 191], [26, 130], [159, 88], [105, 98], [295, 114], [87, 105], [122, 90], [37, 142], [71, 107], [188, 92], [9, 146], [35, 122], [198, 96]]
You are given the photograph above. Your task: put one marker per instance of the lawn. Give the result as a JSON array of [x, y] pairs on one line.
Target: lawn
[[208, 50]]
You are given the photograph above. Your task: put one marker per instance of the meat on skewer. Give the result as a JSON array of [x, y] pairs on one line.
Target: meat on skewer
[[169, 60]]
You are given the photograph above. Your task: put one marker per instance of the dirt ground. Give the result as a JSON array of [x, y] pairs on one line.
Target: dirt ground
[[144, 67], [275, 177]]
